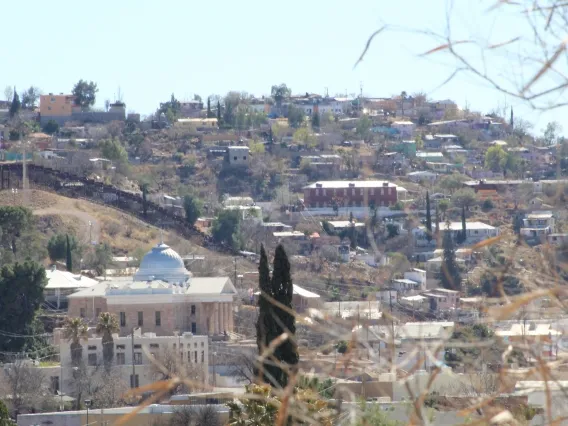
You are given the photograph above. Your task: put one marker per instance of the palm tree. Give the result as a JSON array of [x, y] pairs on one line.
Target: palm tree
[[403, 96], [75, 331], [106, 326]]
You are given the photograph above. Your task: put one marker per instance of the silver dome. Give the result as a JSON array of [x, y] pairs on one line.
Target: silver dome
[[162, 263]]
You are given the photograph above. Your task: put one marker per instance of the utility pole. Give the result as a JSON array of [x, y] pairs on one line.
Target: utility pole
[[133, 381], [235, 261]]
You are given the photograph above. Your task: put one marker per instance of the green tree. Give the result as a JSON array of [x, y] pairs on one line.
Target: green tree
[[227, 228], [374, 415], [279, 93], [219, 119], [16, 105], [75, 331], [443, 205], [428, 218], [193, 208], [144, 189], [450, 276], [452, 183], [107, 324], [437, 219], [305, 137], [363, 128], [464, 349], [496, 158], [21, 295], [112, 149], [392, 231], [51, 127], [265, 324], [296, 116], [258, 411], [209, 112], [14, 222], [170, 109], [57, 246], [463, 234], [552, 133], [85, 93], [403, 96], [275, 318], [102, 258], [464, 198], [316, 120], [282, 288], [68, 257], [30, 97], [5, 419]]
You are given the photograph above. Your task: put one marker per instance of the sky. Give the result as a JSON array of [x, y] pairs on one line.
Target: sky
[[149, 49]]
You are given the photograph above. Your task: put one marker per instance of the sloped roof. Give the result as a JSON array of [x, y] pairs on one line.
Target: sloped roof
[[65, 279]]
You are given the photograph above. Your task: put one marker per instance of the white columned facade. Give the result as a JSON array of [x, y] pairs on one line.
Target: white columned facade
[[221, 318], [231, 317], [216, 317]]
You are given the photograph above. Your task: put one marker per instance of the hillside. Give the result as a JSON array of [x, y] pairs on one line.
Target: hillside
[[124, 233]]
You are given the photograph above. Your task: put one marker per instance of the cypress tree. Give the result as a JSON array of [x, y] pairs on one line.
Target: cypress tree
[[219, 113], [428, 218], [16, 105], [287, 352], [450, 273], [437, 226], [464, 229], [265, 324], [69, 258], [209, 112]]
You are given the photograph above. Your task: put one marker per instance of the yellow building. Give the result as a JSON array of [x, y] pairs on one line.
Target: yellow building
[[56, 105], [197, 123]]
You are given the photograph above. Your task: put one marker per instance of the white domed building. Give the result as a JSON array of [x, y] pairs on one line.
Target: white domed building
[[162, 297]]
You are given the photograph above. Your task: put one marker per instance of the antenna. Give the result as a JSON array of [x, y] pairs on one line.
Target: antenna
[[119, 97]]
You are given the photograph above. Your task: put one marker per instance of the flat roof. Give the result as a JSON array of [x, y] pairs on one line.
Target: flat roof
[[351, 184], [457, 226]]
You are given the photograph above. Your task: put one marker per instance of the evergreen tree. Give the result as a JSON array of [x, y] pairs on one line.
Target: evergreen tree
[[219, 119], [287, 352], [209, 112], [437, 225], [270, 136], [144, 189], [68, 257], [428, 218], [450, 273], [316, 120], [16, 105], [512, 121], [265, 325], [273, 321], [463, 234]]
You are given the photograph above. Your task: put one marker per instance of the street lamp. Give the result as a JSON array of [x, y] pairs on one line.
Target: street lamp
[[14, 193], [87, 404], [90, 232]]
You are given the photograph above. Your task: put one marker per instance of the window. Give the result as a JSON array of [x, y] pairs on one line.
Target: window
[[138, 358], [92, 348], [134, 383], [245, 157], [123, 319], [49, 108], [140, 319], [188, 356], [154, 346], [118, 347], [137, 346], [202, 356], [52, 99], [54, 383], [98, 312], [82, 312], [120, 358], [158, 319], [195, 345], [235, 158], [192, 309], [195, 353], [92, 359], [194, 328], [202, 344]]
